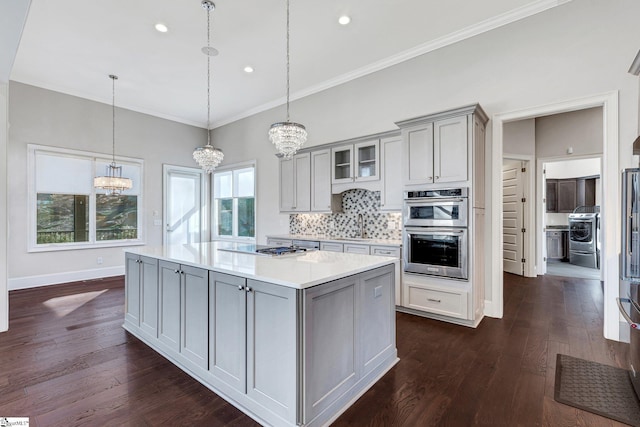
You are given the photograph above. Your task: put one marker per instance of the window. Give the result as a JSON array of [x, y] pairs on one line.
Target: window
[[68, 213], [234, 211]]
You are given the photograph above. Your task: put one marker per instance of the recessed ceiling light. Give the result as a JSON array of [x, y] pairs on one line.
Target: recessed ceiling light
[[248, 69], [162, 27], [344, 20]]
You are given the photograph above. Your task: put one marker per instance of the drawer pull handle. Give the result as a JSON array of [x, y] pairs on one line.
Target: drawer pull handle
[[433, 300]]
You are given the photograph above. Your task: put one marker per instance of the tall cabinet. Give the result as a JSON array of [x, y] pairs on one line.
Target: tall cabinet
[[447, 150]]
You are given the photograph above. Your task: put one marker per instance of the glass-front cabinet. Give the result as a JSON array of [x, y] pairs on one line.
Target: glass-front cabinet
[[357, 162]]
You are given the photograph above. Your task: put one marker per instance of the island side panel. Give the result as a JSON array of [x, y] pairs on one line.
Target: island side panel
[[272, 347], [331, 312]]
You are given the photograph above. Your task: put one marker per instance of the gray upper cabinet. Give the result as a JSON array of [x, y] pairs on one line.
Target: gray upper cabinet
[[321, 180], [295, 184], [359, 162], [436, 152], [391, 164]]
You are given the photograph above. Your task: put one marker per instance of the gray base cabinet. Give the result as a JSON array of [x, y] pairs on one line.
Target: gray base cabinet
[[141, 296], [284, 356]]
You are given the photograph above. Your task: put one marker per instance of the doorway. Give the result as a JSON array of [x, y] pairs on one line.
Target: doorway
[[184, 205], [570, 186], [494, 305]]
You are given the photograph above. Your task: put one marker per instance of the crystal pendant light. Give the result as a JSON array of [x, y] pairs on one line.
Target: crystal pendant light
[[208, 157], [113, 183], [287, 136]]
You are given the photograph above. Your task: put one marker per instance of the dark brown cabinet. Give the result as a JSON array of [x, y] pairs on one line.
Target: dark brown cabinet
[[564, 195]]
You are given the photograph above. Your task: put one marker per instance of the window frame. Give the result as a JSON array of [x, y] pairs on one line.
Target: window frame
[[214, 205], [94, 158]]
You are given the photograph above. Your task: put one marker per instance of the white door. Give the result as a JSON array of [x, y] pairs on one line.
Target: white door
[[512, 217], [184, 205]]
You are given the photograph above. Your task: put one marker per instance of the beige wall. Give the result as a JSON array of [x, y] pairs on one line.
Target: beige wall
[[39, 116], [580, 130], [538, 61], [519, 138]]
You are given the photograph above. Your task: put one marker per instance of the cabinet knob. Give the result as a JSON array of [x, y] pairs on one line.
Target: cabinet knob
[[430, 178], [437, 178], [176, 271], [240, 287], [248, 289]]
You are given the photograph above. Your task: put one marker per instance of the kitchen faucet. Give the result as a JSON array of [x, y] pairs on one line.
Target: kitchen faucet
[[361, 225]]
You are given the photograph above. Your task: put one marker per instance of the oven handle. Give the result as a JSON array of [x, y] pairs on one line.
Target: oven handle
[[430, 230], [624, 313], [432, 201]]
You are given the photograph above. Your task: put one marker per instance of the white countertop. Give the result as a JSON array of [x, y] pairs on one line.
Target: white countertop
[[295, 271], [326, 238]]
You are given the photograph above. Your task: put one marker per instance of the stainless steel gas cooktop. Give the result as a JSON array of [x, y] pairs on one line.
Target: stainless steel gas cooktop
[[264, 250]]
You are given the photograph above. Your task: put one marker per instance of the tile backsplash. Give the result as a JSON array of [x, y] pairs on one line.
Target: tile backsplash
[[345, 223]]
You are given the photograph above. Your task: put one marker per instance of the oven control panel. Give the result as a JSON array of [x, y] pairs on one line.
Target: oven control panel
[[440, 193]]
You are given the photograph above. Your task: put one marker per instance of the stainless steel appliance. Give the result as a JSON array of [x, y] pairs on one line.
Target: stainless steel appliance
[[630, 267], [584, 236], [436, 251], [265, 250], [435, 236], [436, 208]]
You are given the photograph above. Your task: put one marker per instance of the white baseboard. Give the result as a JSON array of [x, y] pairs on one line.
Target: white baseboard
[[68, 276]]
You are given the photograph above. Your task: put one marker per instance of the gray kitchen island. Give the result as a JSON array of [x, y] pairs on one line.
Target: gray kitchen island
[[289, 340]]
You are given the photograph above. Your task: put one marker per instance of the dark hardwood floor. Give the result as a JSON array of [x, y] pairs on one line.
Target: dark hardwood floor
[[66, 361]]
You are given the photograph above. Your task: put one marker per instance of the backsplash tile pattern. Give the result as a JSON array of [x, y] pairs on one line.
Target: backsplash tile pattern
[[345, 223]]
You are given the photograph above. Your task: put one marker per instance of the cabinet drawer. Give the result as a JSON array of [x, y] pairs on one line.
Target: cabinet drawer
[[356, 249], [278, 242], [447, 303], [385, 251], [332, 247]]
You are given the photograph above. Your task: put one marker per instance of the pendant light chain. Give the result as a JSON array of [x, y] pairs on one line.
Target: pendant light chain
[[208, 76], [113, 118], [288, 61]]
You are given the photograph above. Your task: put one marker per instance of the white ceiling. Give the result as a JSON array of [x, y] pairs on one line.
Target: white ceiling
[[71, 46]]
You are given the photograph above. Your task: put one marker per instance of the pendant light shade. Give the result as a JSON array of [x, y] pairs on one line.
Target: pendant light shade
[[287, 136], [113, 183], [208, 157]]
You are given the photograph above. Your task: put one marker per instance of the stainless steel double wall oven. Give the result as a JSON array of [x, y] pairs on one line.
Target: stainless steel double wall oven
[[435, 236]]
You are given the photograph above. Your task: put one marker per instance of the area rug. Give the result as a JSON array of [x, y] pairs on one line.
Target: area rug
[[594, 387]]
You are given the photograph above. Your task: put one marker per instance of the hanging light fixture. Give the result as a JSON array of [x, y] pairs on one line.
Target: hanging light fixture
[[208, 157], [287, 136], [113, 183]]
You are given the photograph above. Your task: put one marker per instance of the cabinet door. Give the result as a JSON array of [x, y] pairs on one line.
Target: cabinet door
[[552, 195], [272, 347], [132, 289], [302, 167], [169, 316], [342, 165], [391, 162], [149, 290], [450, 149], [227, 330], [367, 161], [566, 195], [554, 245], [194, 314], [287, 186], [321, 181], [418, 155]]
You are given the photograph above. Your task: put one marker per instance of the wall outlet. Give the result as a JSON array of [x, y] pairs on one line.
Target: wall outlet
[[157, 222], [391, 225], [99, 260]]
